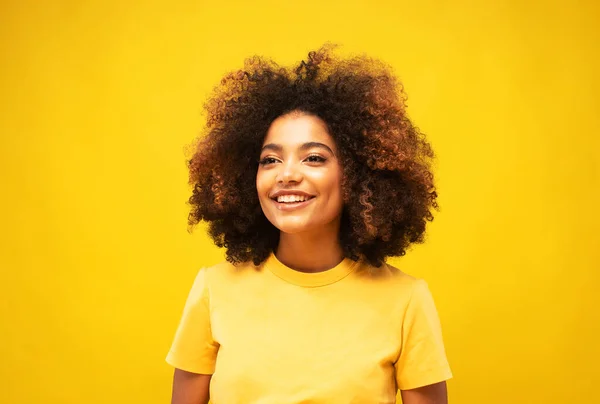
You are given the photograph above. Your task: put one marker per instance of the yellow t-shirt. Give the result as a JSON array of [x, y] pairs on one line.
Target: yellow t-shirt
[[270, 334]]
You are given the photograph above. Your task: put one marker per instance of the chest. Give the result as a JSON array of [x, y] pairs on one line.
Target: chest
[[304, 345]]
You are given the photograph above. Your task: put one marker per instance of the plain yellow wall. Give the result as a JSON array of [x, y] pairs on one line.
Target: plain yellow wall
[[99, 98]]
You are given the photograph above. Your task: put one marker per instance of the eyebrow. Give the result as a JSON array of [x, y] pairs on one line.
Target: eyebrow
[[305, 146]]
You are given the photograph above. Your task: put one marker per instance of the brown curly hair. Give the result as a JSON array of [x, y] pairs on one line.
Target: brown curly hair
[[387, 184]]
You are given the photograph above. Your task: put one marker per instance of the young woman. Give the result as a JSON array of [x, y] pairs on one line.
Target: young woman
[[310, 177]]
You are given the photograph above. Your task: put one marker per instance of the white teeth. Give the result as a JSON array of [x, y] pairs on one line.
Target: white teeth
[[291, 198]]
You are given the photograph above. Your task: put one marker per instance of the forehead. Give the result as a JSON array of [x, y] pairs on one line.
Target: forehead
[[295, 129]]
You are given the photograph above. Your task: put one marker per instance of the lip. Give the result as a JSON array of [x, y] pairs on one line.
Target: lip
[[289, 192], [291, 206]]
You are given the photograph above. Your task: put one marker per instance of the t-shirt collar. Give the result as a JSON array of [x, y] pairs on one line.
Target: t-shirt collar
[[310, 279]]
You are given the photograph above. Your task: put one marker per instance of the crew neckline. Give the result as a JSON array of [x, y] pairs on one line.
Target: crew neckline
[[310, 279]]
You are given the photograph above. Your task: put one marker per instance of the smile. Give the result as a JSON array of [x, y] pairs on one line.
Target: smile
[[292, 202]]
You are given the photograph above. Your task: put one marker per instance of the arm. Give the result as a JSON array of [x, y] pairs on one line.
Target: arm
[[422, 367], [190, 388], [193, 348], [432, 394]]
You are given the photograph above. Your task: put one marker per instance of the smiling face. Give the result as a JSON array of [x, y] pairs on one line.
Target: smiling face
[[299, 176]]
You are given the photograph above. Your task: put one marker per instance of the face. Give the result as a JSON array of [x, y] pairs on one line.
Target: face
[[299, 175]]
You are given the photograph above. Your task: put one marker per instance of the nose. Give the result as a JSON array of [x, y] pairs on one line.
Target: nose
[[289, 172]]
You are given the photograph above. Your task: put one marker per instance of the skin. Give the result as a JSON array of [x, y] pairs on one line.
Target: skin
[[190, 388], [432, 394], [299, 154]]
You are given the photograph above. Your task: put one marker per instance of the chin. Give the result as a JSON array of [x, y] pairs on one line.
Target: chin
[[290, 227]]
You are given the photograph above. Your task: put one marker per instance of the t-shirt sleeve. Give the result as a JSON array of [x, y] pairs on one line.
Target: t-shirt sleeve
[[422, 360], [193, 348]]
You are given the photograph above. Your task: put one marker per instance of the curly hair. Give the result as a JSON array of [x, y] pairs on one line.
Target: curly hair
[[388, 188]]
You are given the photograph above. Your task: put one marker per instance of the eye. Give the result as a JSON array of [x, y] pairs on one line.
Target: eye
[[315, 158], [267, 160]]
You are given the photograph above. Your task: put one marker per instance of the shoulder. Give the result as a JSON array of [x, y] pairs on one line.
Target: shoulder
[[387, 282], [417, 285], [396, 273], [387, 274], [225, 272]]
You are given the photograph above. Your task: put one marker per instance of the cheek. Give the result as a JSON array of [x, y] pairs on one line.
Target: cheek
[[331, 185], [261, 185], [338, 191]]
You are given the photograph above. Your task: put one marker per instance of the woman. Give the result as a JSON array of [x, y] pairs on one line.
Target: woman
[[310, 178]]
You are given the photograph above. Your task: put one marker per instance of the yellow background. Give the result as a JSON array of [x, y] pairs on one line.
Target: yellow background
[[99, 98]]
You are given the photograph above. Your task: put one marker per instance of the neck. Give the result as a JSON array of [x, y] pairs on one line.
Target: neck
[[310, 252]]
